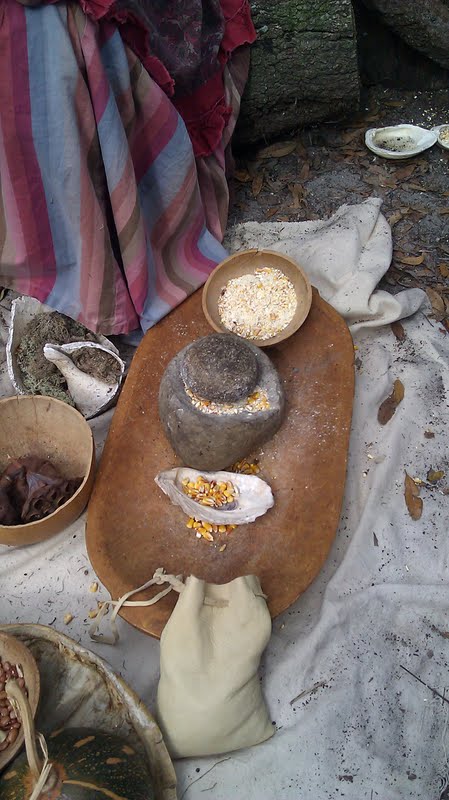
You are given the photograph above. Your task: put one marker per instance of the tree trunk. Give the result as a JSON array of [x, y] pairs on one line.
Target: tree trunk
[[303, 67], [423, 24], [385, 59]]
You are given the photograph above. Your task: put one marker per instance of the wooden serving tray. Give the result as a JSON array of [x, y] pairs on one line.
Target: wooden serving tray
[[132, 528]]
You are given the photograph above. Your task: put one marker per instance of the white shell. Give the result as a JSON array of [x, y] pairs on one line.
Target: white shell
[[23, 310], [399, 141], [439, 129], [90, 395], [253, 500]]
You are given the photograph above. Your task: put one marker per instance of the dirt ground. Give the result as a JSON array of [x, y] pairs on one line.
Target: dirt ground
[[309, 175]]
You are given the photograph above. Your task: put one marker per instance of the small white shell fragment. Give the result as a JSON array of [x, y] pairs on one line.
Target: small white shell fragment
[[399, 141], [254, 496], [442, 132], [90, 395]]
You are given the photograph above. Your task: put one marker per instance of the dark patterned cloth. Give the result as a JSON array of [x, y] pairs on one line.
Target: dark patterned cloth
[[184, 36], [184, 45]]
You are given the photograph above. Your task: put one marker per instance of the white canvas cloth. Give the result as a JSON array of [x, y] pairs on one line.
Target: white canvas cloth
[[368, 729]]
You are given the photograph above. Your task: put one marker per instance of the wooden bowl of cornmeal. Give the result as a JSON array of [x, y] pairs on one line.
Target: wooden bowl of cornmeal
[[260, 295]]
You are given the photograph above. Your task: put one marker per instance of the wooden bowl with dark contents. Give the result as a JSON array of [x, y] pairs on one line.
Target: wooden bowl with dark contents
[[58, 440], [17, 663], [259, 295]]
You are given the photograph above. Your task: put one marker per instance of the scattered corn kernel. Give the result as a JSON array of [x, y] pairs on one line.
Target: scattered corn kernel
[[246, 468], [222, 548], [93, 587], [190, 523], [68, 618]]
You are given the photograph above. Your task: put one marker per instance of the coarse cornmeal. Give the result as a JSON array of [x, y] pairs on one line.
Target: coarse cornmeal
[[258, 305]]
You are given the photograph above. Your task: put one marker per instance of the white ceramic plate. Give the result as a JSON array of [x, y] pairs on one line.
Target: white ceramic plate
[[442, 131], [399, 141]]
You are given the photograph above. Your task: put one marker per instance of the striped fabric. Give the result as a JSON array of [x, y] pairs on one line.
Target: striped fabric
[[103, 212]]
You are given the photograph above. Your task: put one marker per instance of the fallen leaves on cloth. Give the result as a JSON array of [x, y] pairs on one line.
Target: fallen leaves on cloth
[[435, 475], [398, 331], [390, 404], [412, 499]]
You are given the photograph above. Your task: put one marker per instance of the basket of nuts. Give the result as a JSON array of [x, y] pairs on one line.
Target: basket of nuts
[[16, 663]]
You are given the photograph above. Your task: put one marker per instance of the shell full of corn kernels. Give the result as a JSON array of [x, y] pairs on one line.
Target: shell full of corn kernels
[[218, 498]]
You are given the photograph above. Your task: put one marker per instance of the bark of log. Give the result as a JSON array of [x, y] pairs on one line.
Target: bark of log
[[423, 24], [385, 59], [303, 67]]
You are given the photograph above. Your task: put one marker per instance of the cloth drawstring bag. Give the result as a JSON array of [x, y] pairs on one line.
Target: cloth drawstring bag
[[209, 697]]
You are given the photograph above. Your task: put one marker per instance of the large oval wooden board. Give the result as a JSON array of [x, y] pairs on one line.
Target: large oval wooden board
[[132, 528]]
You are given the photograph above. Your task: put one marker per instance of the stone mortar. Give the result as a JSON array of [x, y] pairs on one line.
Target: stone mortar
[[216, 441]]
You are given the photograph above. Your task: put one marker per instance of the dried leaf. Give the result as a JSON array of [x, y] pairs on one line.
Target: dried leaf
[[419, 209], [394, 103], [301, 150], [412, 499], [398, 331], [391, 182], [429, 434], [297, 194], [394, 218], [444, 210], [444, 270], [438, 304], [278, 150], [372, 180], [416, 187], [304, 173], [411, 261], [257, 184], [271, 212], [435, 475], [349, 136], [390, 404], [242, 176], [404, 172]]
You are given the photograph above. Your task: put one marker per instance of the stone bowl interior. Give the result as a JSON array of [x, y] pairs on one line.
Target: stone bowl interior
[[245, 263], [12, 650], [47, 428]]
